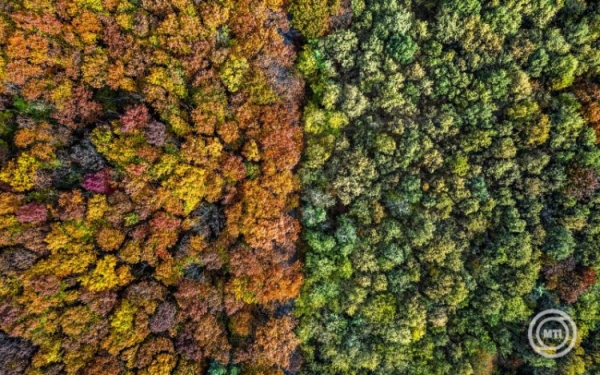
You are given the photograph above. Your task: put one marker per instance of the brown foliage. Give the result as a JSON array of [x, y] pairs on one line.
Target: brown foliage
[[267, 351], [568, 279], [589, 94], [583, 182]]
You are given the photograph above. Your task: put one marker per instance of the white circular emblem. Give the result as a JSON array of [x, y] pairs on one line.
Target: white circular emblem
[[552, 333]]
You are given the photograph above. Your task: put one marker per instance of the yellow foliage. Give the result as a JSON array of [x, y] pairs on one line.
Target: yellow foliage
[[74, 320], [213, 15], [188, 184], [214, 148], [130, 253], [169, 79], [179, 125], [214, 188], [120, 150], [101, 137], [241, 290], [127, 84], [128, 356], [163, 364], [2, 73], [127, 328], [66, 263], [538, 132], [97, 207], [109, 239], [251, 151], [49, 324], [125, 20], [197, 244], [165, 166], [233, 72], [9, 225], [9, 286], [49, 352], [9, 203], [40, 5], [282, 183], [182, 5], [20, 173], [418, 333], [261, 91], [169, 202], [194, 150], [39, 303], [88, 27], [125, 6], [106, 275], [95, 68], [274, 4], [311, 16], [185, 367], [76, 359], [168, 272], [95, 5], [67, 235], [122, 319]]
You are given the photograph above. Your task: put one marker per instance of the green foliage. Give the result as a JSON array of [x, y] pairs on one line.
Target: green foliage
[[433, 215], [233, 72], [563, 71], [216, 368], [401, 48], [38, 110], [560, 243]]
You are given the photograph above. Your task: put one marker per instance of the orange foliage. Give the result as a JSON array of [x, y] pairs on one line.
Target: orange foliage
[[589, 94], [151, 186]]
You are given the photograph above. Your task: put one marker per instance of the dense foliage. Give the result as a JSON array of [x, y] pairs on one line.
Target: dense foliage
[[146, 185], [450, 181], [152, 188]]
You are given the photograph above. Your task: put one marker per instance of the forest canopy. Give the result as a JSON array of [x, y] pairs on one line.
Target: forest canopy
[[278, 187], [147, 152], [449, 186]]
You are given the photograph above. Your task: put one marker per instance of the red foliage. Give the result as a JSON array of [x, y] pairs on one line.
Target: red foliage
[[33, 213], [197, 299], [568, 279], [99, 182], [135, 118], [45, 285]]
